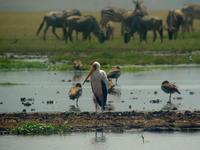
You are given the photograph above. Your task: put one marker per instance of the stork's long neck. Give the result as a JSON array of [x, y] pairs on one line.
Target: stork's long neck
[[96, 74]]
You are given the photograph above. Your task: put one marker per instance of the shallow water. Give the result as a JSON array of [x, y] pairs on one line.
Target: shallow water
[[111, 141], [134, 90]]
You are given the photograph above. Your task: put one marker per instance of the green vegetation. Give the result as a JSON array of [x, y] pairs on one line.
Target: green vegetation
[[10, 84], [7, 64], [32, 128], [17, 35]]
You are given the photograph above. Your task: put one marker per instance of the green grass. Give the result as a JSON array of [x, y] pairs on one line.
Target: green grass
[[7, 64], [17, 35], [10, 84], [33, 128]]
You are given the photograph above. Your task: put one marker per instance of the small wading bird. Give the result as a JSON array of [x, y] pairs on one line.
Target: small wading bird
[[169, 88], [77, 65], [114, 73], [75, 92], [99, 84]]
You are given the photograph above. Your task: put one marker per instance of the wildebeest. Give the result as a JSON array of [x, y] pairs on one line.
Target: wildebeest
[[141, 25], [86, 25], [116, 14], [110, 30], [67, 21], [175, 21], [191, 11], [56, 20], [189, 24]]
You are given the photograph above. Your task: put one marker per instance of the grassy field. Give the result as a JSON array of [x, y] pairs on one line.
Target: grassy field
[[17, 35]]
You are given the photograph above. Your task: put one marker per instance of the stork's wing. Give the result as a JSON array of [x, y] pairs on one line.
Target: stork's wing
[[171, 86], [105, 79]]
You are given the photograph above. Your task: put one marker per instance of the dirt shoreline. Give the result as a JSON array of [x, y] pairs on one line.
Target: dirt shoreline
[[158, 121]]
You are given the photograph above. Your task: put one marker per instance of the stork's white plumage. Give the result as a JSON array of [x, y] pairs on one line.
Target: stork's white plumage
[[99, 84]]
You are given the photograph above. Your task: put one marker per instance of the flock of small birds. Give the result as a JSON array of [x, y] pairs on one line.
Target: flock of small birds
[[76, 90]]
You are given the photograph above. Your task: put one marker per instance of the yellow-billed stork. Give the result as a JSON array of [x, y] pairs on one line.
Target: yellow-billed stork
[[99, 84]]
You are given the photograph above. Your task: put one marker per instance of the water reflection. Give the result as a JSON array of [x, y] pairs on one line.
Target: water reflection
[[169, 106], [77, 75], [110, 107], [99, 138], [112, 141], [73, 108], [116, 92]]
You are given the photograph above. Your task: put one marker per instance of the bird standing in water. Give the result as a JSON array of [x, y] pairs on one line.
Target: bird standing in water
[[114, 73], [170, 88], [77, 65], [99, 84], [75, 92]]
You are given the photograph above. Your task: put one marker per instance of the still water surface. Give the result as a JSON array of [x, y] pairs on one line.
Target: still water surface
[[112, 141], [134, 90]]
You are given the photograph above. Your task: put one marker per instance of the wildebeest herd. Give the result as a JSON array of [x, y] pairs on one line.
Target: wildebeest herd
[[136, 21]]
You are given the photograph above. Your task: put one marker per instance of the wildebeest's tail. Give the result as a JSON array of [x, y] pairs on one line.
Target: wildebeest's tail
[[41, 25], [161, 29]]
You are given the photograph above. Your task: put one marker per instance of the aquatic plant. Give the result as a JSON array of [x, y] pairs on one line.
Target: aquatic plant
[[31, 128]]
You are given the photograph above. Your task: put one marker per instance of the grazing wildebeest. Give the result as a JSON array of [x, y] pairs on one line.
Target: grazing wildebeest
[[68, 20], [191, 11], [110, 30], [86, 25], [119, 14], [141, 25], [56, 20], [175, 21], [189, 24], [114, 14]]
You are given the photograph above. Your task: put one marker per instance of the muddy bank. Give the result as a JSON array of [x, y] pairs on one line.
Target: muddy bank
[[112, 121]]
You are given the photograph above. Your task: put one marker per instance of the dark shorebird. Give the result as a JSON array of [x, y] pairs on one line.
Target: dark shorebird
[[99, 84], [77, 65], [114, 73], [169, 88], [75, 92]]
